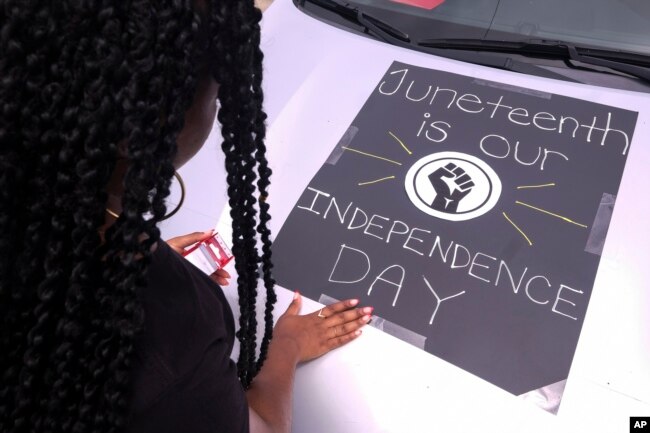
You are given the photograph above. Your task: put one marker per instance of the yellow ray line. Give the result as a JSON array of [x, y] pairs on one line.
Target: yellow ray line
[[375, 181], [371, 155], [551, 213], [518, 229], [400, 142], [536, 186]]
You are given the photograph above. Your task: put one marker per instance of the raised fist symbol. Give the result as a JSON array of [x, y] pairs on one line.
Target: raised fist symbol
[[452, 184]]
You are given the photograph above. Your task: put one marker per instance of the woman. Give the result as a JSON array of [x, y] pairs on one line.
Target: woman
[[104, 327]]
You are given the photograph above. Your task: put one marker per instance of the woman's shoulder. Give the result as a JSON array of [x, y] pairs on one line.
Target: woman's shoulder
[[185, 315], [184, 309]]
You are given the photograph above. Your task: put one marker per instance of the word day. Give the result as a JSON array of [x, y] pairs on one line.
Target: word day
[[486, 269]]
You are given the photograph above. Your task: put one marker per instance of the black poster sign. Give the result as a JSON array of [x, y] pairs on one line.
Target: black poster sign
[[469, 213]]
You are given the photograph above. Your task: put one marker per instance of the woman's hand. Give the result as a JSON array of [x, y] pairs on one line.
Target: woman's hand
[[317, 333], [179, 243]]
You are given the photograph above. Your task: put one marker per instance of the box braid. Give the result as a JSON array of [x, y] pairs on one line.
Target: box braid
[[262, 185], [77, 79], [243, 130]]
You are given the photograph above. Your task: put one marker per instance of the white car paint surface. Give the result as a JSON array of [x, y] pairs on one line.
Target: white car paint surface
[[317, 77]]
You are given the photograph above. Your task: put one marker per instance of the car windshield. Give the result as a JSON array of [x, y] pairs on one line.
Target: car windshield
[[619, 25]]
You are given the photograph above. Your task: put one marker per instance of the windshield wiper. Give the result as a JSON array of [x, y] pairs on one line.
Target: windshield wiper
[[632, 64], [388, 33], [379, 28]]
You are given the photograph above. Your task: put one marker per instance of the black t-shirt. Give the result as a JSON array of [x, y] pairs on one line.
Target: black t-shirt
[[183, 379]]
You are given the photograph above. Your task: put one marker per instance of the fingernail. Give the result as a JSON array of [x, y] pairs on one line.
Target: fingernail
[[296, 295], [354, 302], [366, 318], [367, 310], [357, 332]]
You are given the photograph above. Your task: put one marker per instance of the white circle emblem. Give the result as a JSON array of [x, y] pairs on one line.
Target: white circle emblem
[[452, 186]]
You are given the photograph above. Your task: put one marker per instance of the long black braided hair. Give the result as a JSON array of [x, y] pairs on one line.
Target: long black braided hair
[[79, 79]]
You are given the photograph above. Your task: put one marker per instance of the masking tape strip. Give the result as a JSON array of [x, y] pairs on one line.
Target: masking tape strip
[[388, 327], [598, 233], [511, 88], [547, 397], [345, 141]]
